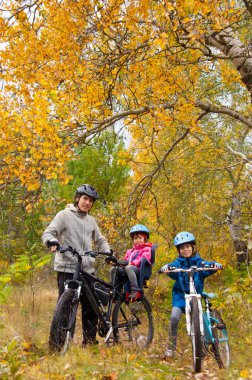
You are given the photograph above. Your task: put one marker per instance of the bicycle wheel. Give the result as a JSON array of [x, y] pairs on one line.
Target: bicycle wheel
[[220, 346], [133, 323], [61, 333], [195, 334]]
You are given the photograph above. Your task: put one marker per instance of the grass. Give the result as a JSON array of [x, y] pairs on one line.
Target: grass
[[25, 323]]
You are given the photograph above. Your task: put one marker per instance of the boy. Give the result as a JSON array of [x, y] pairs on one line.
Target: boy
[[185, 244]]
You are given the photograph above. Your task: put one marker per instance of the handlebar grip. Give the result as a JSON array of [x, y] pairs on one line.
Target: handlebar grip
[[65, 249]]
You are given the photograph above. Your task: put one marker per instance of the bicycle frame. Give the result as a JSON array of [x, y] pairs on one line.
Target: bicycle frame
[[104, 314], [188, 298], [209, 321]]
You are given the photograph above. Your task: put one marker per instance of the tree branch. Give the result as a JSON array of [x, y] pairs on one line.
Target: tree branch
[[224, 110]]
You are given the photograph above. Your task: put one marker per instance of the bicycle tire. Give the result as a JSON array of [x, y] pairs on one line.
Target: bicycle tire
[[59, 335], [196, 339], [220, 347], [133, 323]]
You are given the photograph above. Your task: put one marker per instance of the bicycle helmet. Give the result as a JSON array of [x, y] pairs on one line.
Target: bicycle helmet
[[184, 237], [87, 190], [138, 228]]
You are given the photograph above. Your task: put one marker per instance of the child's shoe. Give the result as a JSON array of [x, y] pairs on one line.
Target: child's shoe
[[133, 292], [169, 353]]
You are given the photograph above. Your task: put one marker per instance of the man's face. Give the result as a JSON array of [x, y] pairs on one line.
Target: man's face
[[85, 203]]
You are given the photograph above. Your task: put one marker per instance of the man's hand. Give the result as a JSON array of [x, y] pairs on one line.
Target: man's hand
[[53, 245]]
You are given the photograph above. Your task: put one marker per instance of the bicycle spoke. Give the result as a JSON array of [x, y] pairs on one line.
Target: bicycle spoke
[[220, 345], [133, 324]]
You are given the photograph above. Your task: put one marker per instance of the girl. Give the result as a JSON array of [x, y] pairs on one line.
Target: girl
[[141, 248]]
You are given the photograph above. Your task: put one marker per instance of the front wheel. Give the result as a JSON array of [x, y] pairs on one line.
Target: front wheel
[[63, 323], [133, 323], [220, 346], [197, 354]]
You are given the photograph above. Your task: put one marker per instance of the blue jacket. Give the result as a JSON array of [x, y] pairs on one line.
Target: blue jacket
[[181, 285]]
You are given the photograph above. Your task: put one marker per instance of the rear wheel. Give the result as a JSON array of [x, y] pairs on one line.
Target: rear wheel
[[133, 323], [197, 354], [63, 323], [220, 346]]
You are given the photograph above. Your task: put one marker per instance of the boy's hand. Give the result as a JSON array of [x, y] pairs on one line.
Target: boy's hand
[[164, 269], [218, 266]]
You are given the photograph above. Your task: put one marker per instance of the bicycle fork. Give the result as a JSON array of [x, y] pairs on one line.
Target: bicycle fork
[[76, 286], [188, 298]]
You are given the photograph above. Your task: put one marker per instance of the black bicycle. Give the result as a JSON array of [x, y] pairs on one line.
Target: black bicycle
[[120, 319]]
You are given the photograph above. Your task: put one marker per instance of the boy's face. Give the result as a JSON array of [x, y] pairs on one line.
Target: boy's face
[[139, 239], [186, 250]]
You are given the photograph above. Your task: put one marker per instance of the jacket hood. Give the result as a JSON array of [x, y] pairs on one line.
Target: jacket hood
[[74, 209], [140, 246]]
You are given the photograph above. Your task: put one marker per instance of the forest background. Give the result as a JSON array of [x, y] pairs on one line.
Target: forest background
[[150, 102]]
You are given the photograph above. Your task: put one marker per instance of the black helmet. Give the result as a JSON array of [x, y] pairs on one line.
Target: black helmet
[[87, 190]]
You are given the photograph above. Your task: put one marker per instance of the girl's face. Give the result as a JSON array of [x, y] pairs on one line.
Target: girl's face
[[138, 239], [186, 250]]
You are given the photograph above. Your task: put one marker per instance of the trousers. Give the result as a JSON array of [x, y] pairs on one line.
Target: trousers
[[173, 328]]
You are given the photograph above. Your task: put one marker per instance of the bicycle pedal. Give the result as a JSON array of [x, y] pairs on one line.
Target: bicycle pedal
[[221, 326]]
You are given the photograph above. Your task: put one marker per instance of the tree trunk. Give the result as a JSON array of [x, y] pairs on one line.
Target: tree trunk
[[236, 230], [238, 53]]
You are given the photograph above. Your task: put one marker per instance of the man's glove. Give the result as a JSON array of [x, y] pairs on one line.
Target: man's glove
[[51, 243]]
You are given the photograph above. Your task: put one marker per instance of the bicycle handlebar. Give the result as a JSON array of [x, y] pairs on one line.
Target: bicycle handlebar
[[89, 253], [189, 270]]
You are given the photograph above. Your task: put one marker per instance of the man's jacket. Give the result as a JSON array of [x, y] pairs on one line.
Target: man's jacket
[[181, 285], [79, 230]]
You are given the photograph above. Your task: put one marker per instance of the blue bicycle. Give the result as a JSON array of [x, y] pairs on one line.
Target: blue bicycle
[[204, 325]]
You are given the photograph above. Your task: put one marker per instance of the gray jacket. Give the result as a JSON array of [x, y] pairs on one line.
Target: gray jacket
[[78, 230]]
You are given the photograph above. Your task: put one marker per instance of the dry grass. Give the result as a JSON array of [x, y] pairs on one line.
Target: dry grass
[[26, 320]]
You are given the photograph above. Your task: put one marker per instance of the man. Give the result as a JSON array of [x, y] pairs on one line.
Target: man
[[74, 227]]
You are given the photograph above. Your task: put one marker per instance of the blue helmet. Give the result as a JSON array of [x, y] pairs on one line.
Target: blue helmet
[[138, 228], [184, 237]]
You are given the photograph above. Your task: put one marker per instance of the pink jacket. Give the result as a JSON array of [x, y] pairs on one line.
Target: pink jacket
[[143, 250]]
